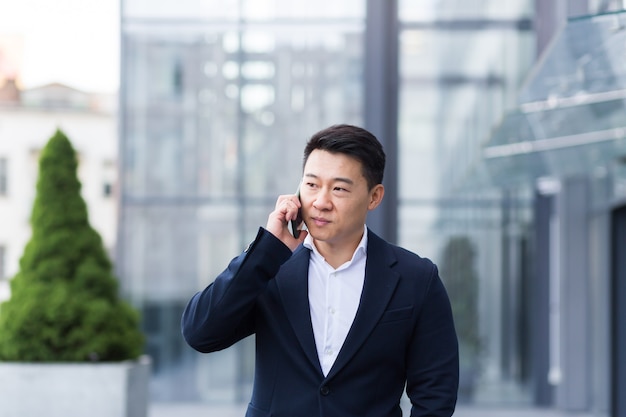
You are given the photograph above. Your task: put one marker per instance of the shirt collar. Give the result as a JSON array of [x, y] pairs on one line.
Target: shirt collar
[[361, 249]]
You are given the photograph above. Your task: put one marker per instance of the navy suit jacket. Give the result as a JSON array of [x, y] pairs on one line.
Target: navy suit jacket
[[402, 336]]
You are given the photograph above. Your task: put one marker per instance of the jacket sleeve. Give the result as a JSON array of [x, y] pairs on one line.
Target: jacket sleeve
[[433, 356], [223, 313]]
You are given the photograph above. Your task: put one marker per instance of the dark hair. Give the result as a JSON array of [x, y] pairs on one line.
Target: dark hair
[[355, 142]]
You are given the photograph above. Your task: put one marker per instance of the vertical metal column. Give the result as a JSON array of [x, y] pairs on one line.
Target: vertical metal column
[[540, 301], [574, 389], [618, 308], [381, 104]]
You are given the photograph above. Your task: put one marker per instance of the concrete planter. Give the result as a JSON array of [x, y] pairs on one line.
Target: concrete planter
[[118, 389]]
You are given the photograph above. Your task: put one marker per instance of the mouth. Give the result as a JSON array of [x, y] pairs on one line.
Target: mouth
[[319, 221]]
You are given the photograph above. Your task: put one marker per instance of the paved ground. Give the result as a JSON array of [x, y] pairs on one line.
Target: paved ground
[[199, 410]]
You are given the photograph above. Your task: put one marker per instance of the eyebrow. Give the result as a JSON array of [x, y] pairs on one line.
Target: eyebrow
[[336, 179]]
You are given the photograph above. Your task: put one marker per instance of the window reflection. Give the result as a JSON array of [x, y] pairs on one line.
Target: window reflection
[[460, 69], [210, 111], [258, 70], [255, 97]]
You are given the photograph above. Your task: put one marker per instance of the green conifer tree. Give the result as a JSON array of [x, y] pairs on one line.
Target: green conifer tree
[[64, 304], [458, 270]]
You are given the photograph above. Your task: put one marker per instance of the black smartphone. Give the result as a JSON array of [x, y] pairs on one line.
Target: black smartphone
[[295, 224]]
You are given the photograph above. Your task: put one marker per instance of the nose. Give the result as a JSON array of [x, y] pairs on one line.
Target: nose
[[322, 202]]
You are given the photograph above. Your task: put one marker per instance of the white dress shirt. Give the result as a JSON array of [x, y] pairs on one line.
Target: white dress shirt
[[334, 296]]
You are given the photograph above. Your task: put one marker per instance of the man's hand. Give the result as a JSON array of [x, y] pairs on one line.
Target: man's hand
[[286, 209]]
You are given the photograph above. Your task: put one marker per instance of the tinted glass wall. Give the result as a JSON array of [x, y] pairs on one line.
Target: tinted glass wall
[[217, 101], [461, 65]]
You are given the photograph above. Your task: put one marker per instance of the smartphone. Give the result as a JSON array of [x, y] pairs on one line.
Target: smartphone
[[295, 224]]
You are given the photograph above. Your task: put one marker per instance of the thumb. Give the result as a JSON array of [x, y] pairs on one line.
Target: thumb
[[302, 236]]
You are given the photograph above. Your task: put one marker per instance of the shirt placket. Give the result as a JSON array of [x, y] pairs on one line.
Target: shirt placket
[[332, 294]]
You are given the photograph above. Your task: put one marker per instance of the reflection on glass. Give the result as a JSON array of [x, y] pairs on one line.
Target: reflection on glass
[[215, 121], [258, 70], [460, 69]]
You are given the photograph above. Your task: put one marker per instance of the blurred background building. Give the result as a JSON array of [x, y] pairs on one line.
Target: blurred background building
[[504, 126]]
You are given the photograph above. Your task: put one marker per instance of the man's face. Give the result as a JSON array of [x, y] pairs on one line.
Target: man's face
[[335, 199]]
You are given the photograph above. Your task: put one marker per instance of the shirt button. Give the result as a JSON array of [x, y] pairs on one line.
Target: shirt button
[[328, 351], [331, 310], [324, 390]]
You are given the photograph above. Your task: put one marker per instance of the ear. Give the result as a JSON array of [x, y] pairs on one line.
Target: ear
[[376, 196]]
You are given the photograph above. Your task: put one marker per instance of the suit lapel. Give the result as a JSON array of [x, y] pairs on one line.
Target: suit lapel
[[292, 282], [380, 283]]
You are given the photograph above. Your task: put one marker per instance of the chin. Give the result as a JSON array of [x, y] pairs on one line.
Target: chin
[[316, 235]]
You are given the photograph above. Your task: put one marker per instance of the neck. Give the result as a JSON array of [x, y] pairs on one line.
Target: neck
[[338, 254]]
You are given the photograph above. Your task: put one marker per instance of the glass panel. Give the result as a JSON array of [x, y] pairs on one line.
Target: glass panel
[[571, 118], [451, 101], [232, 10], [618, 171], [424, 10], [180, 9], [324, 9], [457, 79], [461, 56], [215, 118], [417, 142], [585, 59], [480, 245]]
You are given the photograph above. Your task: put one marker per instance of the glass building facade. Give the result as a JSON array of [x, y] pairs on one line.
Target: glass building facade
[[218, 98]]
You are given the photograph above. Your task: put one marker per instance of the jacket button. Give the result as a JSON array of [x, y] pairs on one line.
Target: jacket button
[[324, 390]]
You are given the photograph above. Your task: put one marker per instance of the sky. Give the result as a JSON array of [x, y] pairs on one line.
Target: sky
[[74, 42]]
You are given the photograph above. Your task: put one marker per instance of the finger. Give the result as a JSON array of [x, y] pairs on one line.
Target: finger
[[303, 235], [282, 212], [292, 213], [282, 198]]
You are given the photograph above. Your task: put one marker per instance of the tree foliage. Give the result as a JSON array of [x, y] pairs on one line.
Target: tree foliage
[[458, 270], [64, 304]]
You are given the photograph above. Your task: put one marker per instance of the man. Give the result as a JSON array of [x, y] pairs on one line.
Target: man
[[343, 320]]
